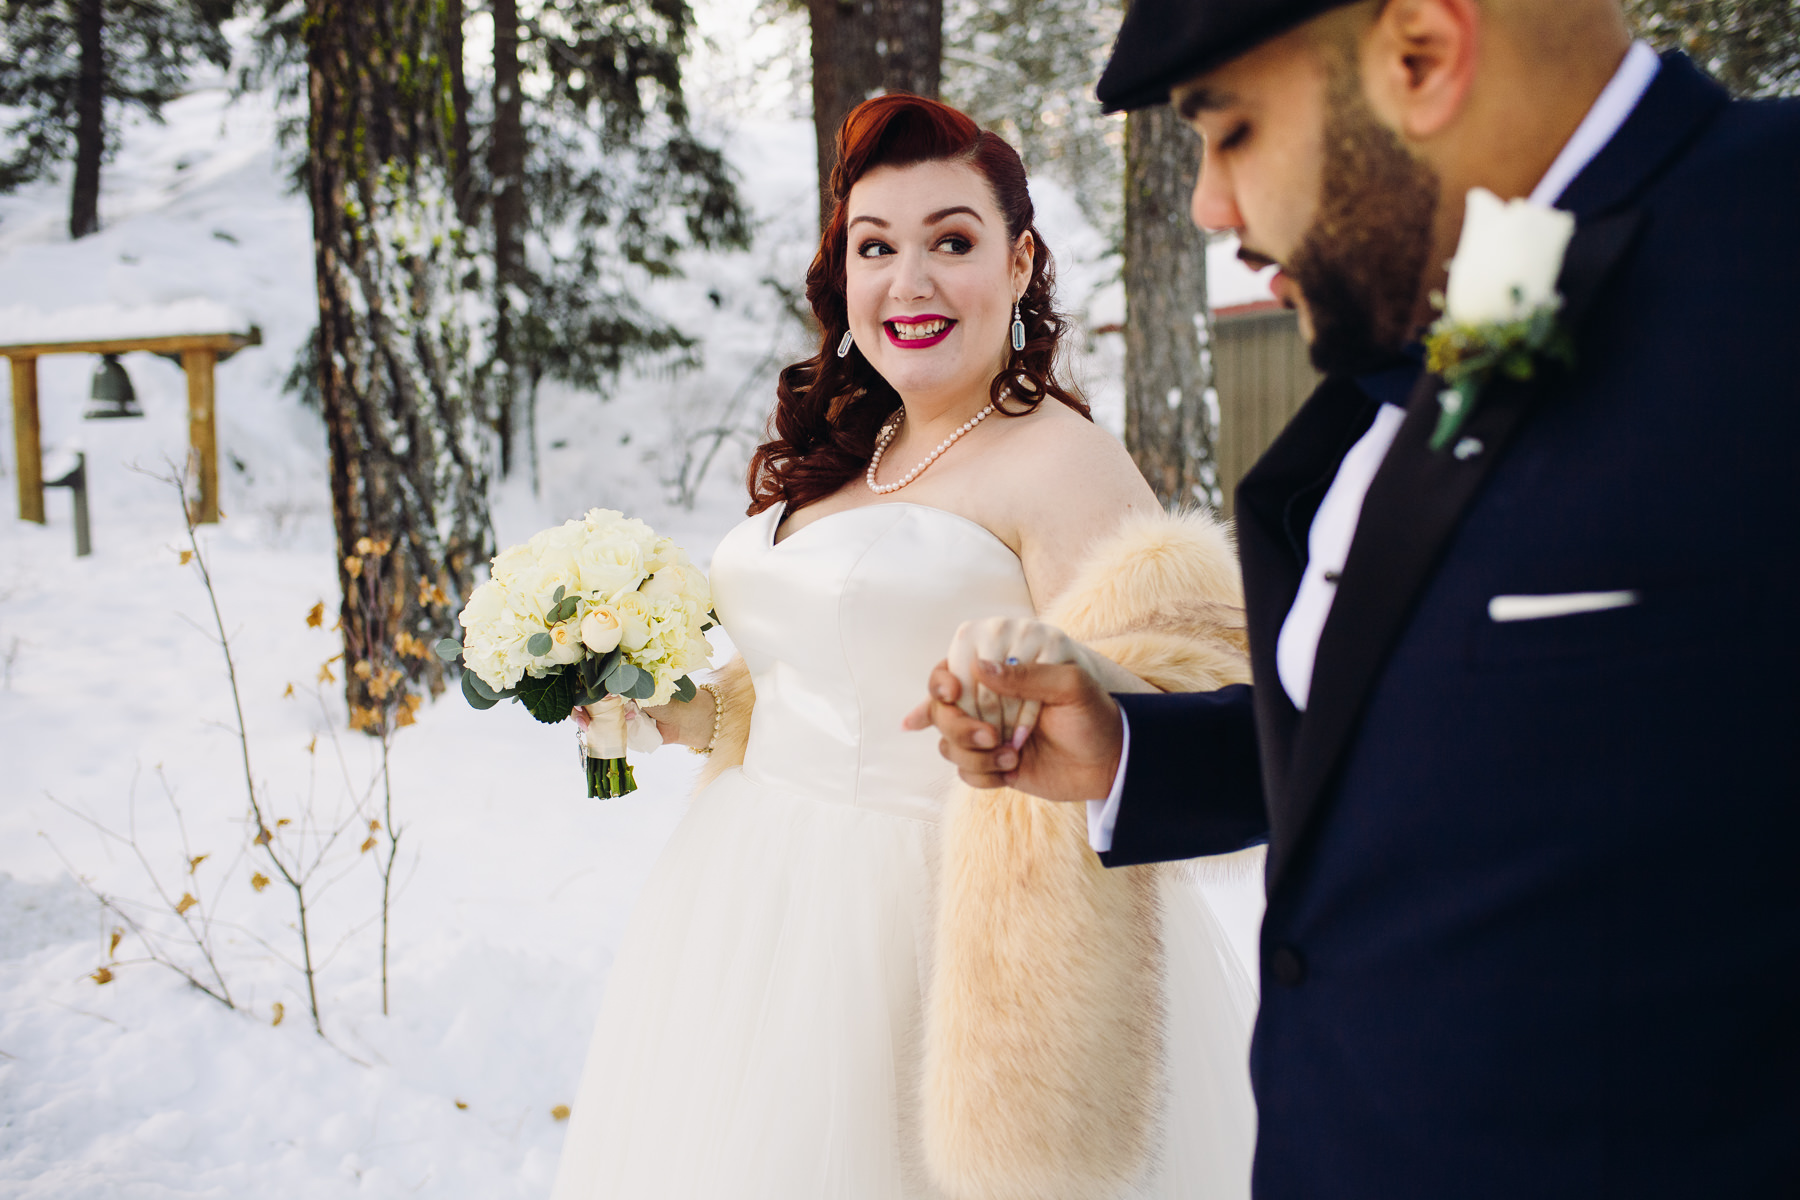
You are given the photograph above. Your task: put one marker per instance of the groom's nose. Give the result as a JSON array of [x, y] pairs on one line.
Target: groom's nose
[[1214, 207]]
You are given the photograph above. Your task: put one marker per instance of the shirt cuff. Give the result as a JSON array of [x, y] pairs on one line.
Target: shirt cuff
[[1104, 814]]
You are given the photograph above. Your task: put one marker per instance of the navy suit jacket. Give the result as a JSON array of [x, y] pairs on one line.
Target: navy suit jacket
[[1533, 923]]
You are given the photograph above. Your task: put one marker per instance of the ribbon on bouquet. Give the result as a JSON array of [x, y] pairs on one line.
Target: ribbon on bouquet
[[614, 725]]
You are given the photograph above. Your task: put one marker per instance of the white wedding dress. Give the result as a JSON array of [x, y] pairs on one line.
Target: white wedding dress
[[760, 1033]]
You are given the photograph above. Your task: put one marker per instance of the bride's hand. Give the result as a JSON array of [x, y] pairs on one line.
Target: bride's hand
[[1006, 640], [685, 722], [680, 722]]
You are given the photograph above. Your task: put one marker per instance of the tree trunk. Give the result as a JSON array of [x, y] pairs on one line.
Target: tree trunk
[[862, 48], [506, 167], [1170, 411], [462, 165], [408, 485], [90, 128]]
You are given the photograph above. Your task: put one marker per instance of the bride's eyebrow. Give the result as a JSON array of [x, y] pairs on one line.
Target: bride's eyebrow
[[871, 220], [942, 213]]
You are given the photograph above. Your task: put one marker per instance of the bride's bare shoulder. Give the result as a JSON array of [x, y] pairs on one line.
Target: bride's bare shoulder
[[1057, 445], [1068, 483]]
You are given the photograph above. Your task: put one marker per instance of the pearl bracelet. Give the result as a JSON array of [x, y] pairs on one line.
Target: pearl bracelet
[[718, 717]]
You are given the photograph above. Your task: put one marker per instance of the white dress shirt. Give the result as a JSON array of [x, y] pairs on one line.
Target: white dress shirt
[[1334, 526]]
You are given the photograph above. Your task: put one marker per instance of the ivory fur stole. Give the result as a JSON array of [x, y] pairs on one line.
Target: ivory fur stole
[[1044, 1024], [1044, 1019]]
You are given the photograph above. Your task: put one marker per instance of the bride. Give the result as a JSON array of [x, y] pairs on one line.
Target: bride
[[848, 978]]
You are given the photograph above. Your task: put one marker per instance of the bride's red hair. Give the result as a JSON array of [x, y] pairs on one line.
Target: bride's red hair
[[829, 409]]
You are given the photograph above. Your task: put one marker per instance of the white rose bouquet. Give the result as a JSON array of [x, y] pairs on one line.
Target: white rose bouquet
[[599, 612]]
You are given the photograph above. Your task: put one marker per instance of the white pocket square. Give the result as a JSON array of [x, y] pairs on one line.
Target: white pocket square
[[1538, 608]]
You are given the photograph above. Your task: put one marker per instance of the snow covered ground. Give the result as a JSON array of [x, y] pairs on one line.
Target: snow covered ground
[[113, 698]]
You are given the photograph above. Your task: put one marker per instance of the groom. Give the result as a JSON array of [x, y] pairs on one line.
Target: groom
[[1523, 733]]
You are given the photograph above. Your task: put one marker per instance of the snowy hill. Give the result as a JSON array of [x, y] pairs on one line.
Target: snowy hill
[[113, 696]]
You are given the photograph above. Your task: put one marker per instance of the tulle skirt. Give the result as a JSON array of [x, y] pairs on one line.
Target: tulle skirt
[[760, 1035]]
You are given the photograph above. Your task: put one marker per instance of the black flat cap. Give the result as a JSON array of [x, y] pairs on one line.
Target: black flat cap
[[1166, 42]]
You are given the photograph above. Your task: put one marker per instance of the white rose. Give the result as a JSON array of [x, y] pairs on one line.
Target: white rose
[[565, 644], [601, 629], [514, 559], [1507, 259], [634, 622], [607, 567], [677, 580]]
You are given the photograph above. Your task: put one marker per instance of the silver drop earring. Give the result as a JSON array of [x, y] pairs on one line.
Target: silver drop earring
[[1018, 329], [845, 343]]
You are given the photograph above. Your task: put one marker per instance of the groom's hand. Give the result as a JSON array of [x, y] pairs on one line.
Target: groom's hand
[[1071, 753]]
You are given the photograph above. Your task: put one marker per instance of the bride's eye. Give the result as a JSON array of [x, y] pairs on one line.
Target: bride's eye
[[1237, 137], [873, 249], [956, 243]]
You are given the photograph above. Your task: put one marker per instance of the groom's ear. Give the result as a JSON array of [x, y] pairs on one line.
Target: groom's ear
[[1418, 63]]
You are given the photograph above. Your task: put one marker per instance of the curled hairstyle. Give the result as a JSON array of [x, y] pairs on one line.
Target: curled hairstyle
[[828, 409]]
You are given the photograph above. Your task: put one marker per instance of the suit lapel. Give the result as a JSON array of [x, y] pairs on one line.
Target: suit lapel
[[1411, 512], [1275, 505]]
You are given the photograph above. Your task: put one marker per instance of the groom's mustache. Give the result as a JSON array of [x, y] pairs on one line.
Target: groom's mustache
[[1253, 259]]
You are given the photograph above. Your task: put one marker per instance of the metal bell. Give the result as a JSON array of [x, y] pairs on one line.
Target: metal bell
[[112, 392]]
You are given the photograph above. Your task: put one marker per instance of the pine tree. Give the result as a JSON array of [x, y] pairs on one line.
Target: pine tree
[[404, 416], [1751, 46], [862, 48], [597, 182], [71, 70]]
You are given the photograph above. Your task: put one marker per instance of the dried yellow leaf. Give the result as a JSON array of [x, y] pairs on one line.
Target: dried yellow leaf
[[374, 826], [404, 717], [279, 1012], [263, 838], [382, 547], [280, 821], [316, 616], [186, 902], [364, 546], [194, 862], [112, 947], [103, 975], [325, 675], [289, 692], [362, 670], [353, 565], [462, 1105], [187, 556], [368, 845], [259, 881], [313, 746], [560, 1112]]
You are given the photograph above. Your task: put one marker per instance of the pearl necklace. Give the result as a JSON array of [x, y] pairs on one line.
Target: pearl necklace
[[887, 435]]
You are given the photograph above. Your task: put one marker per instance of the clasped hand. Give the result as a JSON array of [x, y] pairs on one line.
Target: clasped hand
[[1018, 703]]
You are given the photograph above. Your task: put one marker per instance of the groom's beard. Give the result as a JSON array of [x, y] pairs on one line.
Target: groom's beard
[[1360, 264]]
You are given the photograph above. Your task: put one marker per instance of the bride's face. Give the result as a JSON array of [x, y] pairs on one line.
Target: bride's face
[[930, 279]]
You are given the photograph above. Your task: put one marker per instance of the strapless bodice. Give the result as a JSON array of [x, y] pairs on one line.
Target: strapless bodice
[[840, 625]]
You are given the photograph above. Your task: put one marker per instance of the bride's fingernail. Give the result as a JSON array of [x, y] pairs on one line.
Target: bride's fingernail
[[983, 739], [1006, 760], [1019, 735]]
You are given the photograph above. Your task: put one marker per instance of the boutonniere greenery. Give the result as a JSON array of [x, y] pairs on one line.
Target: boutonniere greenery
[[1500, 307]]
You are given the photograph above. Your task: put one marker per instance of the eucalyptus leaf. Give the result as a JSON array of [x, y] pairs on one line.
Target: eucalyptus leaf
[[480, 685], [564, 610], [448, 649], [470, 690], [557, 599], [685, 689], [646, 686], [540, 644], [622, 678]]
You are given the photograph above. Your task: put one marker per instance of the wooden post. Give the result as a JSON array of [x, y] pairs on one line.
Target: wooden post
[[203, 444], [28, 452]]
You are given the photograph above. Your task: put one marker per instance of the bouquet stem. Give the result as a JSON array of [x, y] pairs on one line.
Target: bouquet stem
[[609, 777]]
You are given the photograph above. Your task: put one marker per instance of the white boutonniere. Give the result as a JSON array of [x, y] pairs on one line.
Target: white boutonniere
[[1500, 306]]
